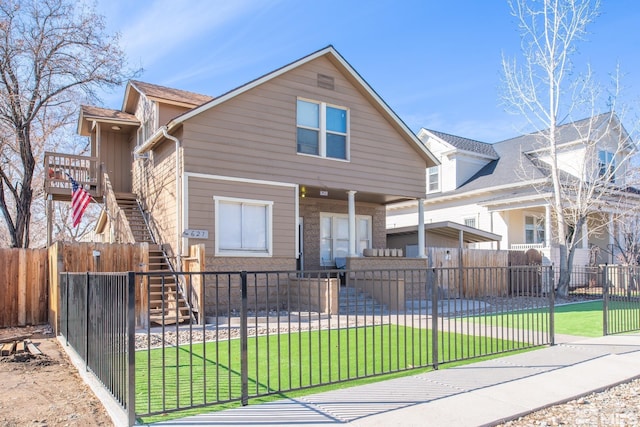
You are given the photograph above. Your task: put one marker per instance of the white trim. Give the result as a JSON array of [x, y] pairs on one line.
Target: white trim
[[439, 174], [457, 196], [537, 216], [297, 216], [242, 253], [418, 145], [185, 209], [334, 215], [185, 183], [453, 149], [237, 179], [322, 129]]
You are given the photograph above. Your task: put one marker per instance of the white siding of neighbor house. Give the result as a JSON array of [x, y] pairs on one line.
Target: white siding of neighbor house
[[457, 167], [467, 166]]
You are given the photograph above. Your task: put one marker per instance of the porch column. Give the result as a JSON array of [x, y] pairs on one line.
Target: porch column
[[421, 253], [585, 236], [49, 207], [612, 237], [547, 226], [352, 223]]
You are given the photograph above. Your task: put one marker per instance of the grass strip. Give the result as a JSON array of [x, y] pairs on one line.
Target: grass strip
[[202, 374]]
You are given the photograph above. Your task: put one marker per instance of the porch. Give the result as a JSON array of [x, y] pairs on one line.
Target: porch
[[84, 170]]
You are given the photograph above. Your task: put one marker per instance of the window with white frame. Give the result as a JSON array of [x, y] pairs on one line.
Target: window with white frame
[[243, 227], [470, 222], [149, 123], [322, 130], [433, 179], [334, 236], [534, 229], [606, 165]]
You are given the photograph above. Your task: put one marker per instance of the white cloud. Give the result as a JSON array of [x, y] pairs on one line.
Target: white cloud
[[160, 28]]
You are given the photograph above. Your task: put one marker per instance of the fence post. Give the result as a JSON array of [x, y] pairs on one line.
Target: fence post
[[433, 285], [66, 308], [131, 348], [552, 307], [86, 322], [244, 363], [605, 301]]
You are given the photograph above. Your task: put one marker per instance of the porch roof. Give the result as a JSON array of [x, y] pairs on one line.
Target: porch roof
[[451, 230]]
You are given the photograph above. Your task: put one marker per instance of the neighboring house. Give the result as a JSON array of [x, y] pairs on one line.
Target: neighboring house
[[504, 188], [291, 170]]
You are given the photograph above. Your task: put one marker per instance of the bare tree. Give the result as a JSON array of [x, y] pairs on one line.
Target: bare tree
[[545, 89], [53, 55]]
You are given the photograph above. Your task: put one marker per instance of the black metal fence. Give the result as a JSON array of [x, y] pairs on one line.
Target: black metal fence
[[255, 334], [97, 321], [620, 298], [265, 333]]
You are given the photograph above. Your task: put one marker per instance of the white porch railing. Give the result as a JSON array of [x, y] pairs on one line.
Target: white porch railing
[[526, 246]]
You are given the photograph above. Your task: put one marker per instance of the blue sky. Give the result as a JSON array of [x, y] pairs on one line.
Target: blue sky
[[436, 63]]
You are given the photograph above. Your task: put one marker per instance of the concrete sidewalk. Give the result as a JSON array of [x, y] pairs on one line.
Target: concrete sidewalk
[[483, 393]]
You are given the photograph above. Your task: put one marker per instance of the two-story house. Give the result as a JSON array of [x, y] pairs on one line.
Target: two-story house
[[292, 170], [504, 188]]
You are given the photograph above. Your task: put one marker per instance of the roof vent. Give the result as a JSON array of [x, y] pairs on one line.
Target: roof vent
[[326, 82]]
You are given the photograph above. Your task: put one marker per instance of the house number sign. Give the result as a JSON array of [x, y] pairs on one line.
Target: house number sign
[[195, 234]]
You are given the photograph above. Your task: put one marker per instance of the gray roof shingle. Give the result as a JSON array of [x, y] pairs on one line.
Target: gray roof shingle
[[466, 144], [513, 164]]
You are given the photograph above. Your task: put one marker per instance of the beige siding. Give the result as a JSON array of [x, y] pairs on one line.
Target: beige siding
[[166, 112], [201, 210], [254, 135], [155, 186], [116, 156]]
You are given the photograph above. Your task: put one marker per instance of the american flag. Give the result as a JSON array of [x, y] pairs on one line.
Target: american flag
[[80, 199]]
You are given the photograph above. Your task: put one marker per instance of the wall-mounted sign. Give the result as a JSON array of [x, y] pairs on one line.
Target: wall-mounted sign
[[195, 234], [324, 193]]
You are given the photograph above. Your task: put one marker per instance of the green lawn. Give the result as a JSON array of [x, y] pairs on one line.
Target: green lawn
[[185, 376], [581, 319], [293, 364]]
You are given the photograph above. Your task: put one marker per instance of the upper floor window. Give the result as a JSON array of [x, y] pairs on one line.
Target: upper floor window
[[243, 227], [322, 130], [470, 222], [606, 166], [147, 112], [433, 179], [534, 229]]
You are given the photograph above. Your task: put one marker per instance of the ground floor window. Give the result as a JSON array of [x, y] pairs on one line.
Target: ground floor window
[[334, 236], [243, 227], [534, 229]]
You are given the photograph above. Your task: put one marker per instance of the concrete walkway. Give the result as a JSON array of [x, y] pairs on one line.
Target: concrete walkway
[[483, 393]]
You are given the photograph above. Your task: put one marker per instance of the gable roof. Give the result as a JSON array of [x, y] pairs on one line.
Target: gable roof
[[515, 166], [573, 132], [465, 144], [339, 62], [105, 115], [163, 94]]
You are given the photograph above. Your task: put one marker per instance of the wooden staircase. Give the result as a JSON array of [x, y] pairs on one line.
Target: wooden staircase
[[166, 303]]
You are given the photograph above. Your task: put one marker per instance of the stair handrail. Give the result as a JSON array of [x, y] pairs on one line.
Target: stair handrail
[[180, 279], [121, 229]]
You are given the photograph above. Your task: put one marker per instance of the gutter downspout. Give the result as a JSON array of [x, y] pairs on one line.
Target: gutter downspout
[[178, 197]]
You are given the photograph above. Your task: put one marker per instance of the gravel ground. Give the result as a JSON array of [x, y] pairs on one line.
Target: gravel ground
[[618, 406]]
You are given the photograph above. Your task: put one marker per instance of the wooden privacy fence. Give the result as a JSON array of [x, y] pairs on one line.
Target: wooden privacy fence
[[90, 257], [23, 287]]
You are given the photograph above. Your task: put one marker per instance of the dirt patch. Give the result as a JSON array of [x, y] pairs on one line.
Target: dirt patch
[[45, 390]]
